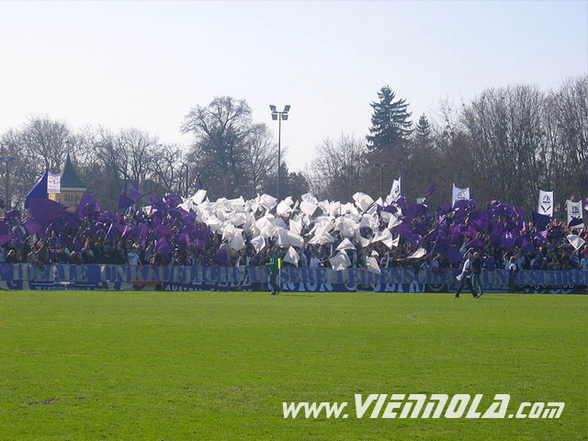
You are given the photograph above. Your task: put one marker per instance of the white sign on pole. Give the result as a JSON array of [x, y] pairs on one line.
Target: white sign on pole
[[395, 191], [53, 183], [546, 203], [460, 194], [575, 213]]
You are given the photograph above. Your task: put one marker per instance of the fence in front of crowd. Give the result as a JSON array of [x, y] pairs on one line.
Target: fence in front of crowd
[[255, 278]]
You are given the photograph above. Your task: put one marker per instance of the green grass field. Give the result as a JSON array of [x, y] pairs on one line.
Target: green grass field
[[217, 366]]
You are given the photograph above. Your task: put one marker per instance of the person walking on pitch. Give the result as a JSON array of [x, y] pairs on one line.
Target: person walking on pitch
[[477, 264], [466, 277]]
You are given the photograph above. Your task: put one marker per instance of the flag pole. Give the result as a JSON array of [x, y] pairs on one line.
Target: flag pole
[[279, 275]]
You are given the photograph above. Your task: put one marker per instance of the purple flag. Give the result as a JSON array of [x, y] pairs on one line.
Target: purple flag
[[453, 255], [507, 241], [127, 232], [43, 210], [170, 201], [113, 231], [540, 220], [163, 246], [88, 204], [519, 211], [390, 209], [32, 226], [471, 232], [444, 210], [490, 263], [123, 201], [476, 243], [183, 241], [220, 257], [164, 231], [527, 246], [135, 195], [39, 190], [441, 246], [405, 230], [455, 234]]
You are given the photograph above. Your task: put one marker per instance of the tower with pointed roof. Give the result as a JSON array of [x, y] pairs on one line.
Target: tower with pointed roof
[[72, 187]]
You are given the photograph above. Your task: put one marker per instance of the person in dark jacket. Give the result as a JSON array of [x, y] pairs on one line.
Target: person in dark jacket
[[477, 264], [274, 268]]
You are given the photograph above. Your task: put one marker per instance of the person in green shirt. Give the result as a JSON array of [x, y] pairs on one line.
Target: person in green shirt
[[275, 264]]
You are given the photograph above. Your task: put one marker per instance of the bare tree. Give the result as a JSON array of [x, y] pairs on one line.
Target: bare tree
[[260, 157], [172, 171], [505, 126], [339, 168], [221, 131], [567, 131], [40, 144]]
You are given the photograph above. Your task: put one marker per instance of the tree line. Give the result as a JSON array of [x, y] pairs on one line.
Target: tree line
[[230, 155], [506, 143]]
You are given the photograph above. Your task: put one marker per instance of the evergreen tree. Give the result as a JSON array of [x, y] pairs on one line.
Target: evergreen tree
[[423, 164], [390, 121], [423, 133]]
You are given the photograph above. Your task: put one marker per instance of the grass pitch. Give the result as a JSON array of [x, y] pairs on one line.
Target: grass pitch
[[217, 366]]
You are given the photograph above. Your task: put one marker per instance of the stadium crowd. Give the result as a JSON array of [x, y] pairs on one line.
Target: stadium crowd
[[167, 234]]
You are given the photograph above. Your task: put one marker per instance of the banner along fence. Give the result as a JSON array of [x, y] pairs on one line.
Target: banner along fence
[[212, 278]]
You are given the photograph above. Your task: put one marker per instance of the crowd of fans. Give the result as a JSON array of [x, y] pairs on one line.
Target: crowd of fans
[[139, 240]]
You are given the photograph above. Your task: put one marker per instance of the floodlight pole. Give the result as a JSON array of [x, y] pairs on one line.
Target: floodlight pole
[[283, 115], [6, 159], [279, 156], [381, 166]]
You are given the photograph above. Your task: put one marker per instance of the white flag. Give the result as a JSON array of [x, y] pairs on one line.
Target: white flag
[[395, 191], [53, 183], [575, 213], [576, 241], [292, 256], [421, 252], [340, 261], [546, 203], [258, 243], [363, 201], [237, 242], [372, 265], [460, 194], [345, 245]]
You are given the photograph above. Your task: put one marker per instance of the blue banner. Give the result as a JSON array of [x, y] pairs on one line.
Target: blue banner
[[191, 278]]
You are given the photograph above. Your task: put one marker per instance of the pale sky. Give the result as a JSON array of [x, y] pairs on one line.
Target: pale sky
[[145, 64]]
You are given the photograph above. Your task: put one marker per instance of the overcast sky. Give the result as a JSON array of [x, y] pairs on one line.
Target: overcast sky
[[145, 64]]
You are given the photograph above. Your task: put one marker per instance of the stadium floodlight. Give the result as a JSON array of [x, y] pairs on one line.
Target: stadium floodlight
[[277, 115]]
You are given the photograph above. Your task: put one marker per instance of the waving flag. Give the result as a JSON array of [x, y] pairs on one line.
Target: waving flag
[[39, 190], [124, 201], [135, 195]]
